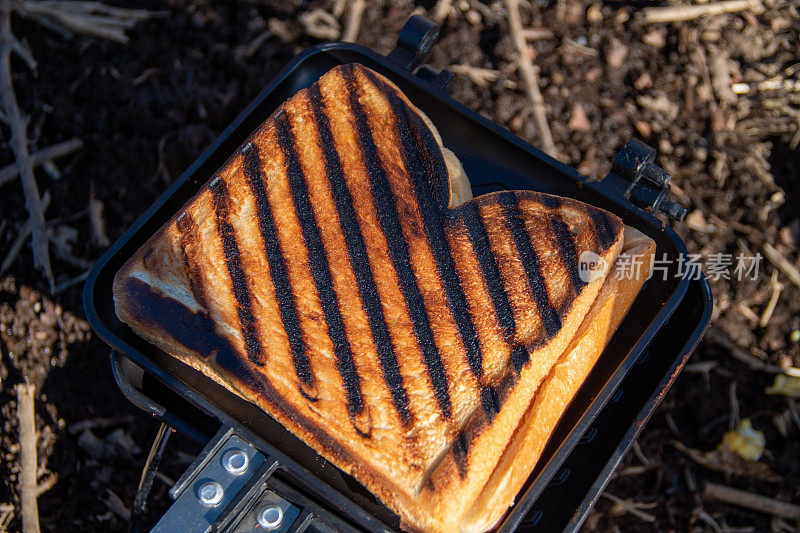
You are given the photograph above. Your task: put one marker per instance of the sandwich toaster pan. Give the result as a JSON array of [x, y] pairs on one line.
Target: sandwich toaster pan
[[289, 487]]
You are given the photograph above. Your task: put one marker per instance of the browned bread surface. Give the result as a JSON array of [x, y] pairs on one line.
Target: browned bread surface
[[619, 290], [322, 275]]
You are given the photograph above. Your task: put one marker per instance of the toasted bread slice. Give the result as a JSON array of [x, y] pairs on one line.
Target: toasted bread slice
[[565, 378], [325, 274]]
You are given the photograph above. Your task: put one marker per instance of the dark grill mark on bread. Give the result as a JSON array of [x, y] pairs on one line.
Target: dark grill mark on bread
[[488, 263], [398, 248], [410, 125], [513, 215], [569, 255], [358, 257], [552, 202], [460, 451], [186, 229], [506, 384], [320, 268], [244, 376], [602, 226], [491, 403], [418, 161], [233, 261], [520, 357], [280, 279], [479, 239]]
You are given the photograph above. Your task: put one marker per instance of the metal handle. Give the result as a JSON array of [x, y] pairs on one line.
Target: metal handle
[[415, 42], [148, 476], [130, 377], [127, 373], [414, 46], [649, 183]]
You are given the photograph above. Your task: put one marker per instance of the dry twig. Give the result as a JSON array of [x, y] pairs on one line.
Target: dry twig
[[352, 22], [756, 502], [6, 514], [704, 368], [734, 403], [748, 313], [27, 459], [42, 156], [715, 335], [631, 471], [338, 8], [482, 76], [68, 284], [728, 462], [777, 287], [22, 237], [116, 505], [536, 34], [681, 13], [782, 264], [47, 483], [441, 11], [581, 48], [531, 77], [96, 220], [19, 144], [634, 508], [90, 18], [703, 515], [320, 24]]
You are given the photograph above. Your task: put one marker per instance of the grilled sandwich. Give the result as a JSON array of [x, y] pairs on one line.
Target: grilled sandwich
[[337, 273]]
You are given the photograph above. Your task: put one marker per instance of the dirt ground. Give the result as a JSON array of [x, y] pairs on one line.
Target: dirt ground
[[719, 97]]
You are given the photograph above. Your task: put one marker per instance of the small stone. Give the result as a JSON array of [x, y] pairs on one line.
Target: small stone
[[778, 24], [786, 236], [616, 54], [644, 128], [700, 153], [593, 74], [121, 439], [643, 82], [579, 121], [697, 221], [594, 14], [656, 37], [92, 445], [790, 233]]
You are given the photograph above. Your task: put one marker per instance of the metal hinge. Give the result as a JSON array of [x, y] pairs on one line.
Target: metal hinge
[[225, 489], [649, 183], [414, 46]]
